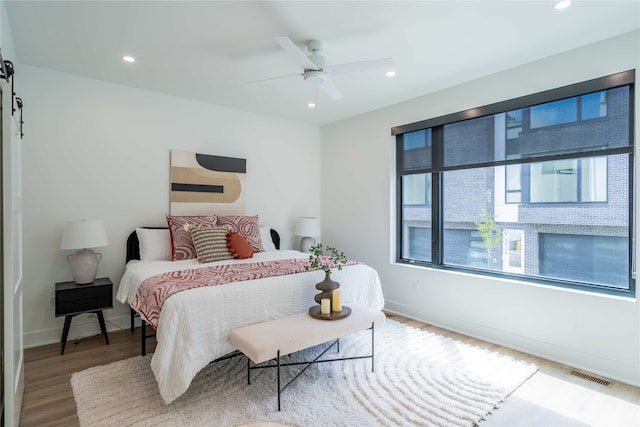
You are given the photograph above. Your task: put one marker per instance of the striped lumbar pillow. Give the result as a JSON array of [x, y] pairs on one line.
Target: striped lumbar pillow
[[210, 243]]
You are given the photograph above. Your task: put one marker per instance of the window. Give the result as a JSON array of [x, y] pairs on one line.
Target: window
[[416, 193], [513, 191], [416, 189], [538, 187], [569, 181], [554, 113], [590, 106]]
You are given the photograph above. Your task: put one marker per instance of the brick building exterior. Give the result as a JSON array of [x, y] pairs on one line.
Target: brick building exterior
[[552, 238]]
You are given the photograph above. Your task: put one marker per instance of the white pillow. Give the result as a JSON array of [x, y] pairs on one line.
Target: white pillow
[[155, 244], [267, 241]]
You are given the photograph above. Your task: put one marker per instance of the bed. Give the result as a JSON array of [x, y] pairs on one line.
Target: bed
[[193, 325]]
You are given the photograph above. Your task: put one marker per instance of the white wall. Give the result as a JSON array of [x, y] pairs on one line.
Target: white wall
[[6, 39], [588, 331], [97, 150]]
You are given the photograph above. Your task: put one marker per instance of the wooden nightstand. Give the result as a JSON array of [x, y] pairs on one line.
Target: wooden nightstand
[[72, 299]]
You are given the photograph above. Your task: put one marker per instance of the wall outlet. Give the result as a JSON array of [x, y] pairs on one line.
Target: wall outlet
[[52, 302]]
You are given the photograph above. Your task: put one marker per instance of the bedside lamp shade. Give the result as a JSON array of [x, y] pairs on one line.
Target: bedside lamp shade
[[307, 227], [84, 235]]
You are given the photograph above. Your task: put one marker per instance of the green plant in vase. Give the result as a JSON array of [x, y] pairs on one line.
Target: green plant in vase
[[319, 261]]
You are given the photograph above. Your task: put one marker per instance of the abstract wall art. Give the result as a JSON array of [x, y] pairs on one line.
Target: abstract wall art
[[202, 184]]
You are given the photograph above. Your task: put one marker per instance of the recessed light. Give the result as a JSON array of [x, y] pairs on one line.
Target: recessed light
[[563, 4], [128, 58], [390, 74], [311, 105]]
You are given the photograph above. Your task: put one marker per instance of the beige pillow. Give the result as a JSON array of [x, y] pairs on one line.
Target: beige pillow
[[210, 243]]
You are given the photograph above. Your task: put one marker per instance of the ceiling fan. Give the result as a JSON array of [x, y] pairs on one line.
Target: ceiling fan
[[316, 72]]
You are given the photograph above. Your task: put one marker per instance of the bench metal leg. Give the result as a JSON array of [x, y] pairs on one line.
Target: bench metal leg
[[279, 390], [372, 352], [307, 364]]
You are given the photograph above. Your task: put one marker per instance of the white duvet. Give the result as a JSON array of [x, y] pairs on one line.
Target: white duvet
[[194, 324]]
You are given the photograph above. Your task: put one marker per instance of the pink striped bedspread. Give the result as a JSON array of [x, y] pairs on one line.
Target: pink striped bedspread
[[155, 290]]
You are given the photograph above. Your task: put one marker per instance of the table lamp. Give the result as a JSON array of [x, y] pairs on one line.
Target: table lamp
[[307, 227], [83, 235]]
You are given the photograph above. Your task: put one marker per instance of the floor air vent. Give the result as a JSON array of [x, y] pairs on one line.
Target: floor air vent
[[592, 378]]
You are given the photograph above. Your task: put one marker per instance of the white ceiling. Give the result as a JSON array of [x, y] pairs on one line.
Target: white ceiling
[[209, 50]]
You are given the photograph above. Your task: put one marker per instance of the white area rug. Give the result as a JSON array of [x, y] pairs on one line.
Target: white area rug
[[420, 379]]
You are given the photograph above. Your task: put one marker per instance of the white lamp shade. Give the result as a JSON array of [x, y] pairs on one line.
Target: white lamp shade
[[83, 234], [307, 226]]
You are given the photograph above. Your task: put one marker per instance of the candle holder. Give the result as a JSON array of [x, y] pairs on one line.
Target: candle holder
[[334, 315], [327, 286]]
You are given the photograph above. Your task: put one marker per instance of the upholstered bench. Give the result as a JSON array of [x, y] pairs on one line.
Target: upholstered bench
[[267, 341]]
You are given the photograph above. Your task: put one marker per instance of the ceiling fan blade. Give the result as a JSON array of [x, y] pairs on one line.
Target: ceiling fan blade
[[330, 89], [360, 66], [293, 50], [273, 79]]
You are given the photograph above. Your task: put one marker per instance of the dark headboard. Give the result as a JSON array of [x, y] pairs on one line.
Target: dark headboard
[[133, 246]]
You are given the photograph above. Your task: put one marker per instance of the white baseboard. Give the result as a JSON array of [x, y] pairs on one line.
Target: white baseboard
[[81, 326], [608, 368]]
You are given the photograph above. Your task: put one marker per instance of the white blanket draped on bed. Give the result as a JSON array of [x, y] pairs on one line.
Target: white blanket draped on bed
[[194, 324]]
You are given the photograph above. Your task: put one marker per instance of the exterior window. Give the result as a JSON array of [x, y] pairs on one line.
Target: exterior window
[[513, 183], [593, 179], [416, 189], [514, 124], [590, 106], [569, 181], [594, 105], [554, 113], [418, 139], [416, 193], [539, 191]]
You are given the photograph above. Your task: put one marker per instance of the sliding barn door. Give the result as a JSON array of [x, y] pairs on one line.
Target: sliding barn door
[[11, 260]]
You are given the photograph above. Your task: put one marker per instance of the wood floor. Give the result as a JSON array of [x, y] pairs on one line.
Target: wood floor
[[550, 398]]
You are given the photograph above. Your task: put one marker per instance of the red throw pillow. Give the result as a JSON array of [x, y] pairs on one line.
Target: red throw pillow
[[239, 246]]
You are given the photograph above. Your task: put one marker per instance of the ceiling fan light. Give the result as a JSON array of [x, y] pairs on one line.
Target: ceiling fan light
[[315, 76]]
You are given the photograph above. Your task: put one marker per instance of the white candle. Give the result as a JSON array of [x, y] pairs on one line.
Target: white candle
[[337, 301], [325, 306]]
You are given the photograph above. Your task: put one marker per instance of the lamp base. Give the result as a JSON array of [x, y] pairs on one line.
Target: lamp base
[[306, 243], [84, 266]]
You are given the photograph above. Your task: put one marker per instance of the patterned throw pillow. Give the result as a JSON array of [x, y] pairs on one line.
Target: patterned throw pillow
[[210, 243], [245, 225], [238, 246], [181, 241]]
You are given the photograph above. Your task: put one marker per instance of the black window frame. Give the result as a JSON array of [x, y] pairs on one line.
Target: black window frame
[[437, 168]]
